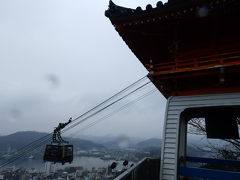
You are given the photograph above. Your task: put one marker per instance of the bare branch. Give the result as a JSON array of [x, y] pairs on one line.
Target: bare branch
[[230, 150]]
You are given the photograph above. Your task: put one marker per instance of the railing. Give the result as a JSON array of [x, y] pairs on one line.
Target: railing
[[197, 63], [150, 169], [211, 174], [145, 169]]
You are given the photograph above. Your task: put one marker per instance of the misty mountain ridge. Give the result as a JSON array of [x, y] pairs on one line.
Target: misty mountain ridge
[[123, 141], [111, 139], [152, 142], [20, 139]]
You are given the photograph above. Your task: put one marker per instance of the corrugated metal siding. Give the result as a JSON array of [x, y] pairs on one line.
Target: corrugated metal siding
[[176, 105]]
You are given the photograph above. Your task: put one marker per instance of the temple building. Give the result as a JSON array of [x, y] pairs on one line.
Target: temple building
[[191, 49]]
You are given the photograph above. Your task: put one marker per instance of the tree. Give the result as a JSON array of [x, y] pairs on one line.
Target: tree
[[230, 149]]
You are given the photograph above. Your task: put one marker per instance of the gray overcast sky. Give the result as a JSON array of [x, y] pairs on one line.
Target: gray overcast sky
[[61, 57]]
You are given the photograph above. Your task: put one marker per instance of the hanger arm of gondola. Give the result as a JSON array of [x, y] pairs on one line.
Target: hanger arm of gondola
[[57, 138]]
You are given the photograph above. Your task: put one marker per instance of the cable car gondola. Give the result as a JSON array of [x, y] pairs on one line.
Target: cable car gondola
[[59, 151]]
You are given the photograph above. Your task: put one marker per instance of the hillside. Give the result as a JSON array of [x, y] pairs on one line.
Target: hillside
[[153, 142], [113, 141], [20, 139]]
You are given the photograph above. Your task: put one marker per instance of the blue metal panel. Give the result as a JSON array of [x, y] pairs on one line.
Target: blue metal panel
[[208, 173], [214, 161]]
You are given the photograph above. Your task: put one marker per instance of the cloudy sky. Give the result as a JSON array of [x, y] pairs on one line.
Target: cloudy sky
[[59, 58]]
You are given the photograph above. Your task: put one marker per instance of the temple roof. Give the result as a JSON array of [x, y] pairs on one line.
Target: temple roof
[[178, 6], [171, 27], [180, 37]]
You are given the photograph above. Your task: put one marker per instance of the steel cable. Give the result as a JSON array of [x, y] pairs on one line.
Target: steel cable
[[40, 142]]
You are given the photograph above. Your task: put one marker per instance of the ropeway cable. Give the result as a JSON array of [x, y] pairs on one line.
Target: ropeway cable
[[29, 145], [41, 143], [38, 147], [83, 120], [123, 107], [91, 115], [25, 152], [115, 95], [42, 140], [116, 111], [92, 109], [107, 106]]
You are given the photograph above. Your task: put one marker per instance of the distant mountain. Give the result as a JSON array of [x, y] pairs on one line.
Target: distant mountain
[[150, 143], [21, 139], [120, 142], [98, 139], [80, 144], [111, 140], [154, 145]]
